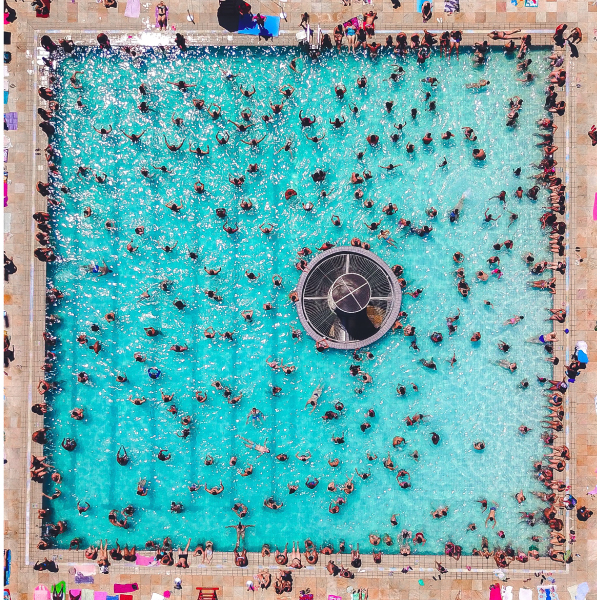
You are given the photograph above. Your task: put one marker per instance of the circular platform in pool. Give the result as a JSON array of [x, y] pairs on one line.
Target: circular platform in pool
[[348, 297]]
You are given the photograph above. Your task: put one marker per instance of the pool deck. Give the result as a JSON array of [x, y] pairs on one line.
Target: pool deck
[[25, 304]]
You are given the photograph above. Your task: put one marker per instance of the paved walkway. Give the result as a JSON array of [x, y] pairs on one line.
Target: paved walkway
[[24, 300]]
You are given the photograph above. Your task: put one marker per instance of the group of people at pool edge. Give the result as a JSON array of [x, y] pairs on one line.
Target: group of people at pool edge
[[544, 470]]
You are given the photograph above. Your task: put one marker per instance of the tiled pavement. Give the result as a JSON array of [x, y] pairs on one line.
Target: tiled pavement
[[86, 18]]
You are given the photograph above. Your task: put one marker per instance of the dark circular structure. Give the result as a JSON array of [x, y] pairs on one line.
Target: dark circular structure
[[349, 297]]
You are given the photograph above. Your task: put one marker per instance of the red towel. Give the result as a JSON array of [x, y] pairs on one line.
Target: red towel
[[44, 12]]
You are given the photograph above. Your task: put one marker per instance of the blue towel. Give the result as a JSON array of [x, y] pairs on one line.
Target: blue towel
[[7, 560], [249, 27], [5, 97]]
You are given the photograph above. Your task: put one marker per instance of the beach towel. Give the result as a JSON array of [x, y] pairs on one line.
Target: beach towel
[[156, 15], [125, 597], [7, 553], [145, 561], [580, 591], [353, 22], [87, 594], [420, 4], [100, 595], [132, 10], [495, 592], [41, 592], [43, 12], [58, 590], [81, 578], [12, 120], [451, 6], [248, 26], [156, 596], [84, 569], [112, 597], [506, 592], [581, 348], [547, 592], [124, 588], [525, 594]]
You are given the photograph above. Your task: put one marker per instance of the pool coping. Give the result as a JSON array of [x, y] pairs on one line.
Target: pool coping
[[37, 307]]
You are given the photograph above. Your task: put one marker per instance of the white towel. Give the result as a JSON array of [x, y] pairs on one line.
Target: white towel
[[572, 590], [525, 594], [506, 592]]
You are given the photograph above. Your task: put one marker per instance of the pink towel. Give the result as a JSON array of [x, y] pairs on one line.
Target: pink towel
[[495, 593], [144, 561], [41, 592], [100, 595], [123, 588]]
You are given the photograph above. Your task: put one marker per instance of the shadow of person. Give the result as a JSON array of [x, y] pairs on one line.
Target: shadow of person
[[573, 48], [228, 14]]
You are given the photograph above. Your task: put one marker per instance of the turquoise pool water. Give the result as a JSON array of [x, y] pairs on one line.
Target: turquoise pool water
[[474, 400]]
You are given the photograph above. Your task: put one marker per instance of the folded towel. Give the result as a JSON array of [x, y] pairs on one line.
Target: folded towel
[[525, 594], [156, 596], [144, 561], [100, 595], [81, 578], [123, 588], [125, 597], [87, 594]]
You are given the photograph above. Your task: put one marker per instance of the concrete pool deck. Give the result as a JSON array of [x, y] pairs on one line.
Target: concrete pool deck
[[24, 296]]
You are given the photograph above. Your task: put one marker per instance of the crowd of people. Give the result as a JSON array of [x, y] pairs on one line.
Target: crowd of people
[[546, 469]]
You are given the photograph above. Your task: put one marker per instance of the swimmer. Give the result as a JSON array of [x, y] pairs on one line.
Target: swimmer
[[477, 86], [492, 515], [253, 446], [256, 416]]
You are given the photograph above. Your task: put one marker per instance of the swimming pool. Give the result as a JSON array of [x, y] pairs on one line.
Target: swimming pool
[[471, 401]]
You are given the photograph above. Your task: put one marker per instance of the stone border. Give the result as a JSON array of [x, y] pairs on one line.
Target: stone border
[[35, 277], [392, 312]]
